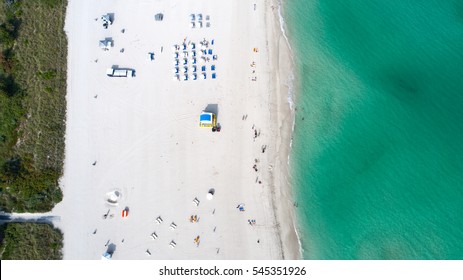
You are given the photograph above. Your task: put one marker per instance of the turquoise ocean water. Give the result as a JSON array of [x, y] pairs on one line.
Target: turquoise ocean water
[[377, 153]]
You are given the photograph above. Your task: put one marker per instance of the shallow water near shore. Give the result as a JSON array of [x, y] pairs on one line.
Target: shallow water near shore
[[377, 154]]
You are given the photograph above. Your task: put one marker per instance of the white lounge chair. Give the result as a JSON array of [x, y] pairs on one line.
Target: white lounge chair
[[172, 244], [173, 226], [159, 220], [196, 201]]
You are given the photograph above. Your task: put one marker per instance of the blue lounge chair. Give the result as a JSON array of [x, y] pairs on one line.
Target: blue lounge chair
[[210, 51], [203, 68], [213, 67], [213, 75]]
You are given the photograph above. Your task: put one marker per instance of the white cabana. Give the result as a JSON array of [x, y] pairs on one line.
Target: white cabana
[[106, 44]]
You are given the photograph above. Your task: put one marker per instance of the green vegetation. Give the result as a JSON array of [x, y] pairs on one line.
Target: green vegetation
[[33, 52], [30, 241]]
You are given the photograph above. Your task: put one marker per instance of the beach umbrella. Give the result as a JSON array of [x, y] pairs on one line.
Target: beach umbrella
[[210, 194]]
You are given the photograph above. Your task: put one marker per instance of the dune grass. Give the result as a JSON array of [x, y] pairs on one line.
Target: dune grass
[[32, 103], [30, 241]]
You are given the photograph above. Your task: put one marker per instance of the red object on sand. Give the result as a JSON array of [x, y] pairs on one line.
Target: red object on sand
[[125, 213]]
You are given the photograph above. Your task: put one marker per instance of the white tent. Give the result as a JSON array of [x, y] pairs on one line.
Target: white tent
[[105, 44]]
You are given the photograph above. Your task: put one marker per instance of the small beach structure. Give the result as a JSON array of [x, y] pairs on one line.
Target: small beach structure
[[107, 20], [106, 44], [207, 120]]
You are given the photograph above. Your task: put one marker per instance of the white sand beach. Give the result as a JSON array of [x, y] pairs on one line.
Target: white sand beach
[[139, 137]]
